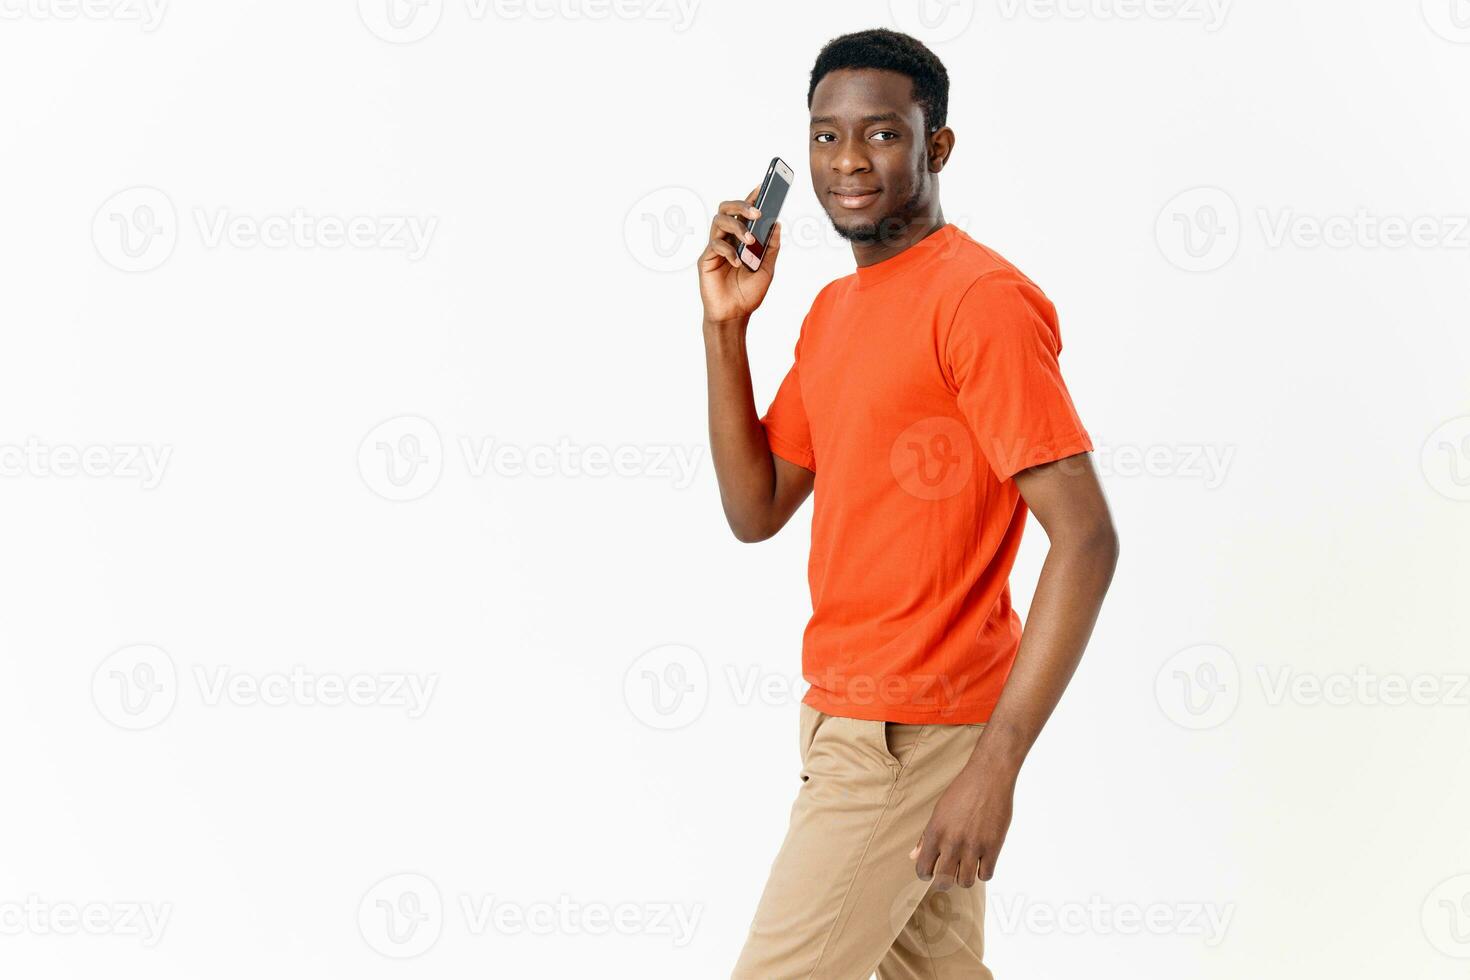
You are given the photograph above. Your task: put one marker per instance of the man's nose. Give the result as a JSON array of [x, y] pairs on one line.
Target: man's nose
[[850, 160]]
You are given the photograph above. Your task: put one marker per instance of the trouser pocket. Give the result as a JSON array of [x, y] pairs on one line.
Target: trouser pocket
[[900, 742], [811, 720]]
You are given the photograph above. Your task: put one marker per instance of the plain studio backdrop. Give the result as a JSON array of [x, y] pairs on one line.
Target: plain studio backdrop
[[366, 608]]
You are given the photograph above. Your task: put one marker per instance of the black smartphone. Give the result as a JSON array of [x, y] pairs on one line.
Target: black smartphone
[[772, 193]]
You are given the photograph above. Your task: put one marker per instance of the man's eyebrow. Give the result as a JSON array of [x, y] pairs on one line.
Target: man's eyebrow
[[875, 117]]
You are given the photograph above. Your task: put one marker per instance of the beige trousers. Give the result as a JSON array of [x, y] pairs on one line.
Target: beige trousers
[[842, 900]]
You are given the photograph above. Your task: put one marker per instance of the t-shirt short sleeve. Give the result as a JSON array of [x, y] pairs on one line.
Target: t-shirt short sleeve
[[1001, 354], [787, 431]]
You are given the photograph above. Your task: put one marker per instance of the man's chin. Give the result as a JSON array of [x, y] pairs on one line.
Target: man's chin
[[856, 230], [861, 233], [868, 231]]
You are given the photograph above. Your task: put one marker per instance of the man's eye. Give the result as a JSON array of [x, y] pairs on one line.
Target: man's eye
[[824, 137], [885, 135]]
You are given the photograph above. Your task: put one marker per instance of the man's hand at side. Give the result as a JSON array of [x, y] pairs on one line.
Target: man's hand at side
[[964, 836]]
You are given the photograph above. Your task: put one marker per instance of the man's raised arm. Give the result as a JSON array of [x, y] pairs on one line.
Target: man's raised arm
[[758, 489]]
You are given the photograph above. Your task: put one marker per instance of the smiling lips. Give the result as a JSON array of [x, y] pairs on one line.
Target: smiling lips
[[854, 198]]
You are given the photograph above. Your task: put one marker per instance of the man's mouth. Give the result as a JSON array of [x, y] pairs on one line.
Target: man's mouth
[[854, 198]]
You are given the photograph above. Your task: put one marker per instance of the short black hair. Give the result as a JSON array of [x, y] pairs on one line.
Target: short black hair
[[889, 51]]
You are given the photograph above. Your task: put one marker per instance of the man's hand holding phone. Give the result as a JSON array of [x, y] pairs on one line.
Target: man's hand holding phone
[[730, 291]]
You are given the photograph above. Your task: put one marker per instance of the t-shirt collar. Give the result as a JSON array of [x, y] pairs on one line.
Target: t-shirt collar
[[916, 254]]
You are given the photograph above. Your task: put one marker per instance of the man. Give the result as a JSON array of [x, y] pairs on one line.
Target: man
[[926, 408]]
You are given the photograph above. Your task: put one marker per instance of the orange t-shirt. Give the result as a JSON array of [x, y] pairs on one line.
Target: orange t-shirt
[[922, 384]]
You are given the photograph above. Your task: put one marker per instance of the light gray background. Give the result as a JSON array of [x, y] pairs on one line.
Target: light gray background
[[454, 461]]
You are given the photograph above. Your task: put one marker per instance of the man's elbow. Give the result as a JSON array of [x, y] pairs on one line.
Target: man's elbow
[[1101, 542], [1093, 540], [752, 533]]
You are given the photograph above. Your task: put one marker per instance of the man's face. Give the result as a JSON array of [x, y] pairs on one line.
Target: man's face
[[869, 155]]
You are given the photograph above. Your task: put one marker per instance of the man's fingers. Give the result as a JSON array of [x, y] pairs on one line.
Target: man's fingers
[[744, 209], [723, 248], [726, 224], [946, 872], [969, 865], [987, 866], [928, 854], [729, 226]]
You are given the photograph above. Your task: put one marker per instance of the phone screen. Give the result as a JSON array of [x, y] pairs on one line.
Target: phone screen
[[773, 194], [770, 205]]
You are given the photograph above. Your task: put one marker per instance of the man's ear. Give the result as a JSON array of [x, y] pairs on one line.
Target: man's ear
[[941, 144]]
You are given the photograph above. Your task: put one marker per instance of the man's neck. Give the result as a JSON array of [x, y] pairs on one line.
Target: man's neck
[[889, 245]]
